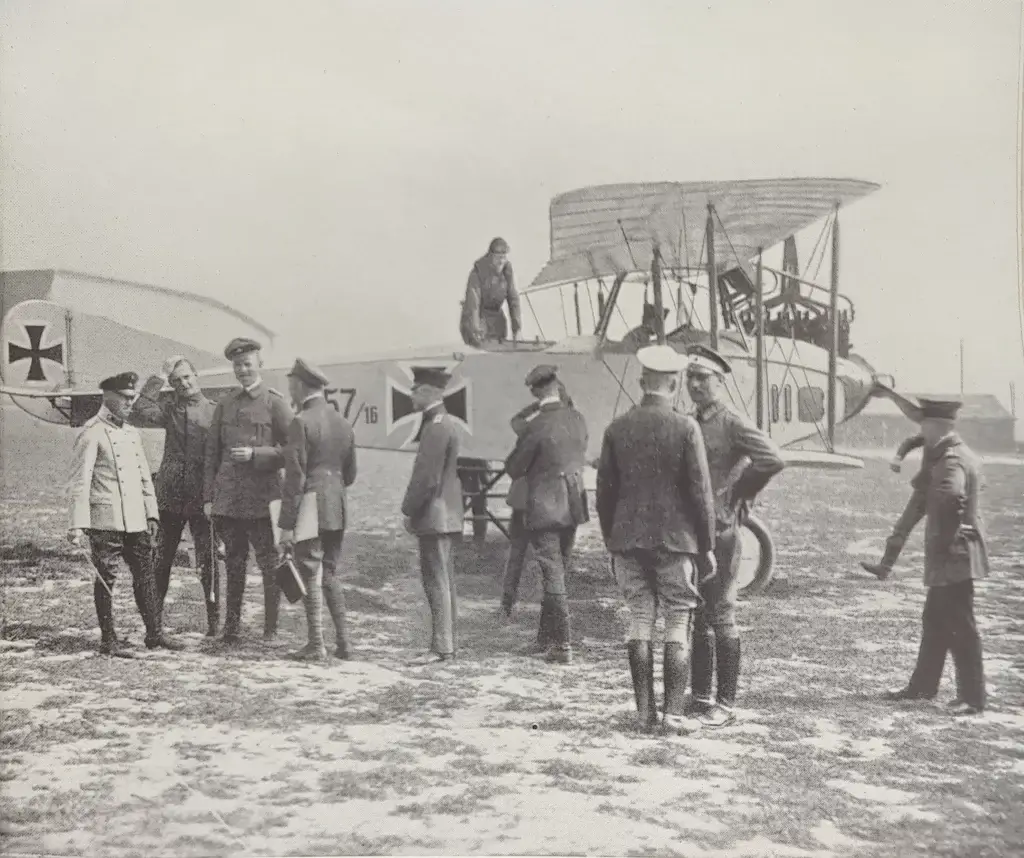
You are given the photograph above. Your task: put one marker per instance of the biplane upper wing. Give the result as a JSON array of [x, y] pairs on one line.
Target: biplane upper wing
[[603, 230]]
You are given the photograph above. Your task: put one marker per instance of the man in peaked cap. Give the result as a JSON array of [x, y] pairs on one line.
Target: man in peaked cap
[[184, 414], [112, 501], [433, 511], [955, 554], [491, 284], [550, 455], [729, 440], [320, 457], [656, 510], [243, 458], [647, 331]]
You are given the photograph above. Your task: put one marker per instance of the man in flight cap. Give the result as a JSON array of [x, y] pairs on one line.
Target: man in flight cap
[[656, 509], [741, 460], [243, 459], [112, 501], [550, 455], [432, 507], [490, 286], [320, 457], [184, 414], [955, 554]]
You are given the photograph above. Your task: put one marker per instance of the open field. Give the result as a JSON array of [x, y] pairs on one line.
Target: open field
[[214, 753]]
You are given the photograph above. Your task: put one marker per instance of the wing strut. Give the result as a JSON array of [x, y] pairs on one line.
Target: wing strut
[[712, 278], [759, 333], [833, 333]]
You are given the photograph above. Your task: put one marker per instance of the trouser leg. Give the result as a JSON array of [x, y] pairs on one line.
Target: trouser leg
[[519, 544], [723, 617], [171, 527], [104, 550], [333, 593], [547, 549], [138, 555], [965, 643], [931, 656], [702, 667], [435, 552], [202, 539], [261, 534], [677, 592], [641, 669], [308, 557], [234, 533]]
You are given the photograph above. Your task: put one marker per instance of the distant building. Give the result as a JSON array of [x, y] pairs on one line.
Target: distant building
[[984, 424]]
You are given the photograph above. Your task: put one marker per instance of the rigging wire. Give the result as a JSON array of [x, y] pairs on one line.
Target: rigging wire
[[1020, 177]]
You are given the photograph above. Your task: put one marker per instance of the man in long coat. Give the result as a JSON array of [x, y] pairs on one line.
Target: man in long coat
[[955, 555], [551, 454], [320, 457], [185, 415], [433, 510], [112, 501]]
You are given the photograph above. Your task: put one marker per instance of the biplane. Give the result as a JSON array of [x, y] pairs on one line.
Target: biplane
[[697, 253]]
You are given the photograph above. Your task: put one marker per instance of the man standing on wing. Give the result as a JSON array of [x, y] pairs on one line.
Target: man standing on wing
[[432, 507], [728, 439], [320, 457], [185, 415], [112, 501], [656, 509]]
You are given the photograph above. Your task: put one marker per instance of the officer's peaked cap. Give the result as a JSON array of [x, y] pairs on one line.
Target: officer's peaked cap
[[943, 409], [309, 374], [708, 359], [663, 359], [542, 374], [498, 245], [122, 382], [431, 375], [239, 346]]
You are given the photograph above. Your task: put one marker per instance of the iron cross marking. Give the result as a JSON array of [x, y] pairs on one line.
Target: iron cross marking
[[35, 353], [454, 404]]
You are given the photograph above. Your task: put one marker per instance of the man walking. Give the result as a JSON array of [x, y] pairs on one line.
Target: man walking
[[550, 455], [321, 458], [185, 415], [955, 555], [729, 440], [656, 510], [112, 501], [243, 458], [432, 507]]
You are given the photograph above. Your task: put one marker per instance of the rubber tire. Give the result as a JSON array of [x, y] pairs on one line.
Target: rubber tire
[[766, 564]]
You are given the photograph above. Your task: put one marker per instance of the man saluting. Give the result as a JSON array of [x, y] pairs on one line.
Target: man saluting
[[432, 507], [112, 500]]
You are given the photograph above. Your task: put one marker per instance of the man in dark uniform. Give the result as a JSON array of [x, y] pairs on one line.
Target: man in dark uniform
[[185, 415], [656, 509], [112, 501], [491, 284], [912, 513], [550, 455], [730, 440], [243, 460], [646, 333], [320, 457], [955, 554], [432, 507]]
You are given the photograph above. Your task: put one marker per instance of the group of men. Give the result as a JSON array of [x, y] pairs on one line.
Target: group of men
[[673, 490]]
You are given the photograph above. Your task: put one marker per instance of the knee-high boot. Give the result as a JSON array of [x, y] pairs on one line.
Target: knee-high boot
[[728, 650], [702, 663], [271, 604], [335, 599], [235, 593], [641, 668], [677, 672]]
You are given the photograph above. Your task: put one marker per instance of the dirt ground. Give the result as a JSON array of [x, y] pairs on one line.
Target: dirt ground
[[241, 752]]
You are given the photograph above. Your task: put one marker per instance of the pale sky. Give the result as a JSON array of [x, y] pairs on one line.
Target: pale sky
[[334, 168]]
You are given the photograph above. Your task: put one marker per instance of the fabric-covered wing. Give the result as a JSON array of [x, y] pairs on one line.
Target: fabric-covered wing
[[587, 225]]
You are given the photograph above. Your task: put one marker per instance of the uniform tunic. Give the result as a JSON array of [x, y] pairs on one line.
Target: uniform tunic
[[257, 418], [487, 291]]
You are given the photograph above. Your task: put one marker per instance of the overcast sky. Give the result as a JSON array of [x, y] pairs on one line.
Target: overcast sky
[[334, 168]]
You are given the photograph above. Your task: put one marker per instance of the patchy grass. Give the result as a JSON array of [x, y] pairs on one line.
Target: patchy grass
[[218, 751]]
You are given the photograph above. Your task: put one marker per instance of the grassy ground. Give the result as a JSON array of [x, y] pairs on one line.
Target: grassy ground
[[209, 752]]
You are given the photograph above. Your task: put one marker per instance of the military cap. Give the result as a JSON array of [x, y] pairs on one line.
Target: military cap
[[708, 359], [309, 374], [498, 245], [122, 383], [942, 409], [239, 346], [431, 375], [662, 359], [542, 374]]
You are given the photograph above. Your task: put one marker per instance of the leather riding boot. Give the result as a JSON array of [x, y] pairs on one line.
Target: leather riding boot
[[235, 588], [641, 668], [271, 604], [212, 618], [559, 649], [728, 652], [702, 663], [676, 673]]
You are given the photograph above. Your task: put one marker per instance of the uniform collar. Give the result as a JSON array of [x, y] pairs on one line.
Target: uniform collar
[[549, 402], [107, 416], [252, 388], [433, 410], [312, 401], [652, 398], [710, 410]]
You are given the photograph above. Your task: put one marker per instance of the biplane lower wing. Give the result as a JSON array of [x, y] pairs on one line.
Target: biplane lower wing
[[821, 460]]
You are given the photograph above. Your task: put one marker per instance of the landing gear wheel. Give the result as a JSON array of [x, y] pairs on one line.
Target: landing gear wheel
[[757, 558]]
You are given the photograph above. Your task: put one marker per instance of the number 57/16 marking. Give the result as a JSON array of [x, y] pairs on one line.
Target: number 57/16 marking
[[349, 394]]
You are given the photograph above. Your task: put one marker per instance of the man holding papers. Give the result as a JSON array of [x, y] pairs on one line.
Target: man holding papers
[[320, 462]]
